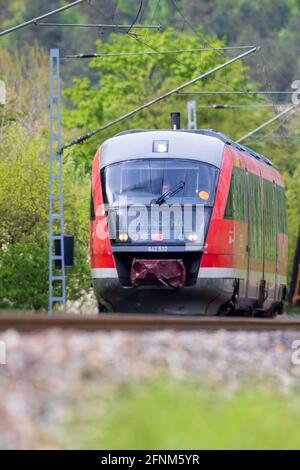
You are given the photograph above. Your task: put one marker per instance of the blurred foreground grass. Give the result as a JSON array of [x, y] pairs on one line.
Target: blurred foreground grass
[[171, 415]]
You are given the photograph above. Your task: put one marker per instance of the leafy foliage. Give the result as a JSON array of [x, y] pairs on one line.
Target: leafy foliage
[[110, 87], [273, 24], [24, 276], [125, 83], [24, 195]]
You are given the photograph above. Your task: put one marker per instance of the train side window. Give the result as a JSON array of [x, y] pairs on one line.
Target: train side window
[[229, 210], [270, 220], [235, 207], [92, 209], [255, 218], [281, 209]]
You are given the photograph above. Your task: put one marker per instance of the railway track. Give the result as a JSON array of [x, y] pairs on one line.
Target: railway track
[[135, 322]]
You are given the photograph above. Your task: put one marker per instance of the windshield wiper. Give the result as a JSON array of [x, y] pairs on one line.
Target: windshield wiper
[[174, 190]]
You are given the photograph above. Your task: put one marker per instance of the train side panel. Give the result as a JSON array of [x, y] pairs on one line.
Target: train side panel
[[247, 238]]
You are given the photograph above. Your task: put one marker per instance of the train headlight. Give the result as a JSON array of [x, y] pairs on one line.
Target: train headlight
[[123, 237], [192, 237], [160, 146]]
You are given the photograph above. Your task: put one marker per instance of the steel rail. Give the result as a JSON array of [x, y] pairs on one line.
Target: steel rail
[[138, 322]]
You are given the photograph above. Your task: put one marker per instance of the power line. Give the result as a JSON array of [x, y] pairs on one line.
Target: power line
[[196, 34], [99, 26], [115, 12], [267, 123], [154, 15], [283, 120], [187, 21], [134, 36], [156, 100], [263, 92], [128, 54], [282, 137], [137, 16], [239, 106], [39, 18], [268, 84]]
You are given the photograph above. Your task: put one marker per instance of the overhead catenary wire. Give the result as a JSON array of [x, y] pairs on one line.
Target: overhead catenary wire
[[153, 16], [138, 39], [267, 123], [136, 17], [196, 33], [156, 100], [41, 17], [187, 21], [283, 120], [99, 26], [128, 54], [280, 137], [238, 106], [269, 135], [250, 92], [268, 84], [115, 12]]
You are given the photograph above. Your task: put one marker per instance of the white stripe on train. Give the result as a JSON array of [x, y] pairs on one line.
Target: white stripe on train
[[102, 273], [204, 273]]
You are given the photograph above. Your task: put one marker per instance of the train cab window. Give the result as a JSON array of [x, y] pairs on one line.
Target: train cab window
[[235, 207], [145, 180]]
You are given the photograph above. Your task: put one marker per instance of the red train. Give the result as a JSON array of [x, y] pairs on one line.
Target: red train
[[187, 222]]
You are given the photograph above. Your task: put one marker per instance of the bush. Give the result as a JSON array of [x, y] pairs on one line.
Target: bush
[[24, 225], [24, 276]]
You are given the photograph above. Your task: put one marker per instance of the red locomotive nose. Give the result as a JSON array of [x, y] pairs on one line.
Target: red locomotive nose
[[158, 272]]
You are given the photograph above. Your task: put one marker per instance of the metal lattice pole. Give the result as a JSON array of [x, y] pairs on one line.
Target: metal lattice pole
[[57, 280]]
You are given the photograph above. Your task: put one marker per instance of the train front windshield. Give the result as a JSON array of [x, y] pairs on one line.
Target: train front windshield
[[159, 181]]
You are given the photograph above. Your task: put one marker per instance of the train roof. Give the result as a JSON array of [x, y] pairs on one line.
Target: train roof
[[140, 144], [211, 133]]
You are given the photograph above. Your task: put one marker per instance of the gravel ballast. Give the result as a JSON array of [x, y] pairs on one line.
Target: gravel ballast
[[45, 372]]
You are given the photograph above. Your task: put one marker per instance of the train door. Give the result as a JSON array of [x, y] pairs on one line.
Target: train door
[[264, 224], [247, 198], [236, 211], [270, 229], [275, 227], [242, 229], [256, 236], [248, 231]]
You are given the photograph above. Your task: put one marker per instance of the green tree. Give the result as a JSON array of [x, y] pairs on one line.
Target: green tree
[[24, 190], [24, 194], [127, 82]]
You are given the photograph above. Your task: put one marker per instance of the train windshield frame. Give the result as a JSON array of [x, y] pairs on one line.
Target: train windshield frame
[[146, 180]]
